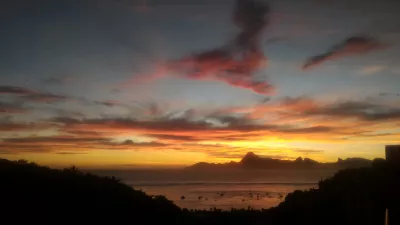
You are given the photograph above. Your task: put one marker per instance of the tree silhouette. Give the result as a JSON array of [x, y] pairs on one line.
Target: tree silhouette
[[69, 196]]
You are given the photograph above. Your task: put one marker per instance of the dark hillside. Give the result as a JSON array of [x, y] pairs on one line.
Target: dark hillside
[[31, 193]]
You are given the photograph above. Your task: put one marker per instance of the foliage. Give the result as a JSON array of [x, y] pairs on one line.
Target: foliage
[[32, 194]]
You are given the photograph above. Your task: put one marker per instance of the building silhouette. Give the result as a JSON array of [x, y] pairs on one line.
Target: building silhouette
[[393, 154], [393, 158]]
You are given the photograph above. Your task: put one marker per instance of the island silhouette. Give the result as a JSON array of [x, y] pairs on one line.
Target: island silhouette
[[253, 161]]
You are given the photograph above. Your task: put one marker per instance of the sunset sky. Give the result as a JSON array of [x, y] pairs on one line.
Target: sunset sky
[[125, 83]]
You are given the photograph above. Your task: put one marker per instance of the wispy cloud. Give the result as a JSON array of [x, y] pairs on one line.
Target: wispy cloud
[[45, 97], [383, 94], [32, 95], [28, 95], [59, 80], [109, 103], [60, 139], [330, 119], [297, 119], [15, 90], [184, 127], [12, 108], [352, 46], [71, 153], [364, 111], [9, 126], [369, 70], [68, 145]]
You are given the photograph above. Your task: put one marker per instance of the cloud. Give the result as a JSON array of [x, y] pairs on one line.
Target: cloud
[[59, 80], [5, 152], [183, 130], [115, 91], [369, 70], [297, 119], [236, 153], [110, 103], [305, 108], [309, 130], [286, 118], [11, 108], [281, 107], [231, 120], [364, 111], [67, 145], [169, 137], [356, 45], [383, 94], [86, 133], [60, 112], [65, 120], [45, 98], [130, 143], [194, 138], [31, 95], [236, 62], [15, 90], [9, 126], [308, 151], [304, 118], [71, 153], [61, 139], [132, 124]]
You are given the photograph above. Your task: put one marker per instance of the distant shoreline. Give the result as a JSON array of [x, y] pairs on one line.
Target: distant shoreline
[[218, 183]]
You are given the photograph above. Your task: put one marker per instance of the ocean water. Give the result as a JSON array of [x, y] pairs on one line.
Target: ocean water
[[225, 195], [221, 188]]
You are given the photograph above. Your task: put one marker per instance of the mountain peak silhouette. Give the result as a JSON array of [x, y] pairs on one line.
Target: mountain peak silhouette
[[251, 160], [249, 157]]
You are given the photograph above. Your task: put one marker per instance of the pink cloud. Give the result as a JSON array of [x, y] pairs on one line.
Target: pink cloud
[[349, 47], [234, 63]]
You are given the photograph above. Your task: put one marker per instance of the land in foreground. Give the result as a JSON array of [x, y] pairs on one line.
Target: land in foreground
[[34, 194]]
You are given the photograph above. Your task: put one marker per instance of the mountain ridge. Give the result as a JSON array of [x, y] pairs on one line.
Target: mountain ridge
[[252, 161]]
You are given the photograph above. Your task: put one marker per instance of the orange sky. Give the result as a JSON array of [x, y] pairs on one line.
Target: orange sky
[[113, 85], [286, 128]]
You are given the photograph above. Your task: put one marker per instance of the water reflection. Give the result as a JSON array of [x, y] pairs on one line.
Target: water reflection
[[225, 196]]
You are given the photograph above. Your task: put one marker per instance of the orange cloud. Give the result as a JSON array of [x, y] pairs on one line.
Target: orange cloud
[[219, 133], [369, 70], [9, 126], [72, 144]]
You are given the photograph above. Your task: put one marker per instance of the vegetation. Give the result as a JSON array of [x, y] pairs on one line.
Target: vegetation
[[351, 196], [32, 194]]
